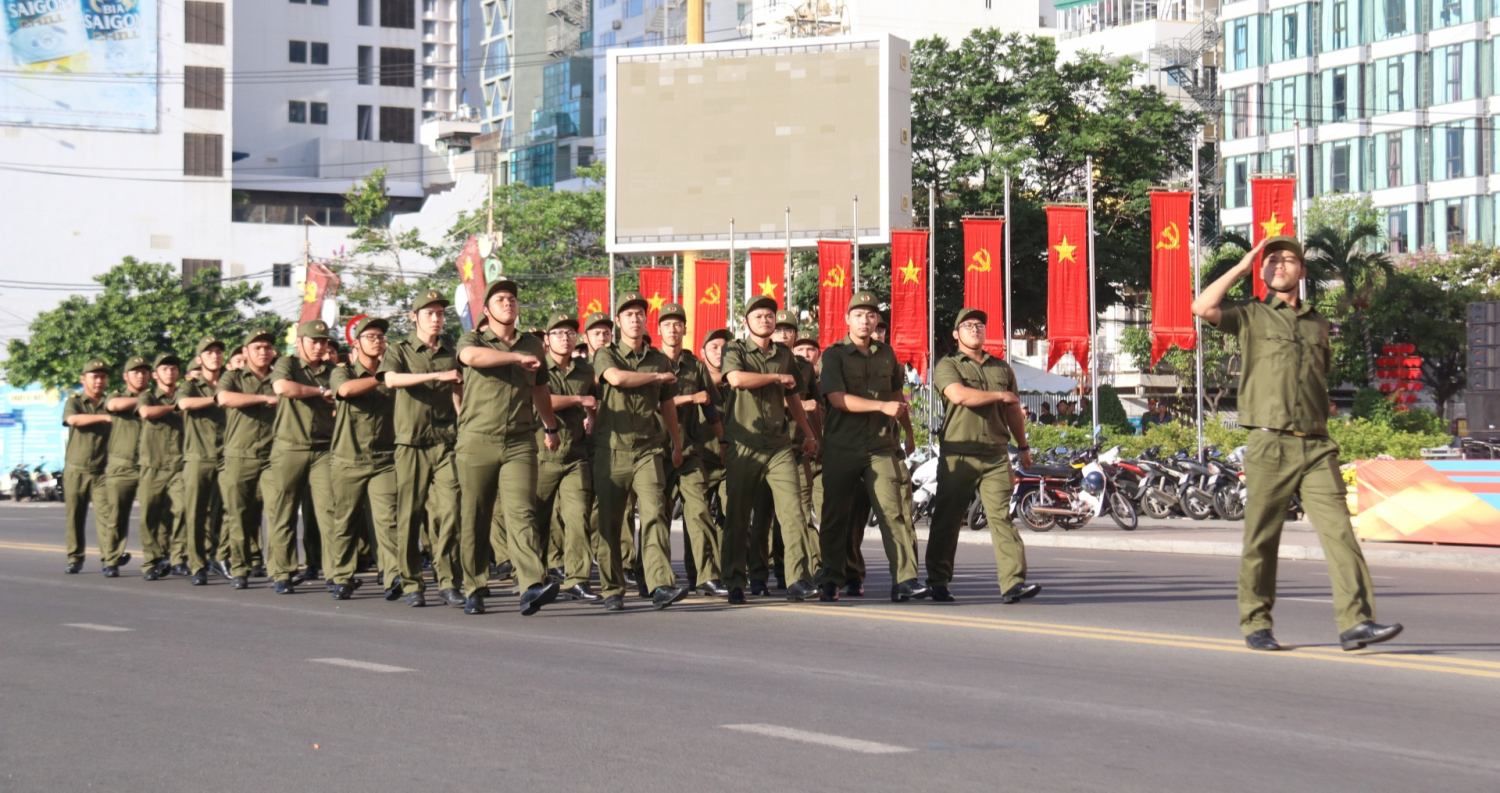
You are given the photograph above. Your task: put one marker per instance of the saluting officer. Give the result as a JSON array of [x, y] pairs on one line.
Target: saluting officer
[[763, 401], [698, 423], [161, 470], [299, 458], [202, 462], [862, 383], [83, 464], [565, 480], [122, 477], [983, 413], [250, 404], [1284, 402], [508, 399]]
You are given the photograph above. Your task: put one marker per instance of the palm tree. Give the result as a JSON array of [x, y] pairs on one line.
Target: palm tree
[[1347, 255]]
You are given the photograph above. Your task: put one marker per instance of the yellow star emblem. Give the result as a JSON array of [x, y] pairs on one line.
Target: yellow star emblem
[[467, 266], [910, 272], [656, 301], [767, 287], [1065, 251], [981, 261], [1272, 227]]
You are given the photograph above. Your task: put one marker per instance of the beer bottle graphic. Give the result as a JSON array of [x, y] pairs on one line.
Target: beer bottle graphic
[[46, 35]]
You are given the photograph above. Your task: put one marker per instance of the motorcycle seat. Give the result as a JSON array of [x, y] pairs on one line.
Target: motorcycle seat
[[1054, 471]]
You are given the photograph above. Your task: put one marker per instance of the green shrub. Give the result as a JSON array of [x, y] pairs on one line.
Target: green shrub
[[1419, 422], [1361, 439], [1112, 413], [1372, 405]]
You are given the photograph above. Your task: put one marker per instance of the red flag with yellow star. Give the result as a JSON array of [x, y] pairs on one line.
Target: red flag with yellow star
[[909, 333], [768, 276], [1171, 274], [593, 295], [984, 276], [1068, 284], [835, 288], [320, 283], [471, 275], [1273, 213], [656, 287], [710, 306]]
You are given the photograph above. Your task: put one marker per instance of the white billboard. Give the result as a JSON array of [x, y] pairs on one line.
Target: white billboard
[[79, 63]]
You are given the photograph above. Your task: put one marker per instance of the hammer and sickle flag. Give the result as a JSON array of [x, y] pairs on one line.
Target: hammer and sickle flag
[[593, 295], [984, 283], [471, 274], [835, 288], [1272, 214], [709, 306], [1171, 275]]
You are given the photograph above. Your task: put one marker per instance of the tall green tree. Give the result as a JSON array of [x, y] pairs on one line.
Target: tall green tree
[[144, 309], [388, 268]]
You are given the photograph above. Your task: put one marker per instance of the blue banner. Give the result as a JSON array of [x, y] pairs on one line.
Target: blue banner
[[32, 431], [80, 63]]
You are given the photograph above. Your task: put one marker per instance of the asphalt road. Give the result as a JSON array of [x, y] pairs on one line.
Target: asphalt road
[[1127, 674]]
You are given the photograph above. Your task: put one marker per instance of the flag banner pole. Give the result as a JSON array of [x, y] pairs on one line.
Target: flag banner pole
[[729, 305], [1297, 201], [1009, 296], [931, 309], [1093, 311], [786, 274], [1197, 288], [854, 258]]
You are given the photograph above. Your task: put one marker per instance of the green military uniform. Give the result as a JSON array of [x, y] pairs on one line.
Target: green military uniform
[[712, 456], [364, 467], [202, 462], [163, 526], [426, 480], [767, 545], [497, 458], [83, 467], [1284, 397], [300, 465], [565, 478], [248, 436], [860, 455], [629, 559], [691, 480], [628, 459], [756, 423], [972, 457], [813, 493], [122, 476]]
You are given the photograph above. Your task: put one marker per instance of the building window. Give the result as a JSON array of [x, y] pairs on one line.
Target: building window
[[398, 67], [1340, 96], [281, 275], [1454, 213], [319, 112], [1395, 87], [1395, 23], [1393, 171], [1288, 104], [202, 154], [607, 38], [296, 111], [303, 2], [1396, 230], [398, 14], [741, 10], [429, 27], [463, 39], [204, 22], [1340, 24], [297, 51], [429, 73], [320, 2], [191, 268], [366, 61], [429, 51], [1339, 176], [429, 6], [203, 88], [1455, 147], [1241, 184], [429, 97], [1239, 103], [320, 53], [634, 8], [364, 122], [398, 125], [1452, 12], [366, 12], [1455, 81], [1289, 36]]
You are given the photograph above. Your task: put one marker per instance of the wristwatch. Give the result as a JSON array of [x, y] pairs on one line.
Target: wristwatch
[[550, 430]]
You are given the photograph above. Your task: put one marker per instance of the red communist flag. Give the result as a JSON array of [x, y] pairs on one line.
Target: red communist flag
[[768, 276], [656, 287], [710, 304], [1171, 274], [1273, 214], [1068, 284], [320, 283], [471, 275], [909, 334], [984, 277], [593, 295], [835, 288]]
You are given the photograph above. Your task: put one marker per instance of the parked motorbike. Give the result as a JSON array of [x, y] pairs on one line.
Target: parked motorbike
[[1073, 494], [47, 483], [22, 486]]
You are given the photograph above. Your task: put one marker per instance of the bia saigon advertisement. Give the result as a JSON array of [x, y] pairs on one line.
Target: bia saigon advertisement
[[79, 63]]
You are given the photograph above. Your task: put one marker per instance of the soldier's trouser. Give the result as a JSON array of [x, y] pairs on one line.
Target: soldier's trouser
[[747, 469], [556, 530], [878, 475], [80, 488], [294, 473], [201, 513], [243, 485], [810, 487], [958, 477], [499, 547], [160, 488], [500, 476], [427, 482], [1276, 466], [617, 474], [564, 495], [352, 483], [767, 551], [314, 532], [120, 484], [630, 557], [700, 535]]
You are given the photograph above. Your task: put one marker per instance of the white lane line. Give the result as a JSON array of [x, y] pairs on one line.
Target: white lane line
[[1308, 600], [365, 665], [89, 626], [1085, 561], [837, 742]]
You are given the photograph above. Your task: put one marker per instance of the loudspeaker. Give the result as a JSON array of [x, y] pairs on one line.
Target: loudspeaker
[[1482, 396]]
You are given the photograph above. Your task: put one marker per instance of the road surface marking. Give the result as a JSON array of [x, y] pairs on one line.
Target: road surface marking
[[365, 665], [835, 741], [1308, 600], [1085, 561], [89, 626]]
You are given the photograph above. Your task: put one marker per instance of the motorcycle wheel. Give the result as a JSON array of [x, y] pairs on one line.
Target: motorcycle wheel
[[1034, 520], [976, 517], [1122, 511], [1155, 505], [1227, 503], [1197, 507]]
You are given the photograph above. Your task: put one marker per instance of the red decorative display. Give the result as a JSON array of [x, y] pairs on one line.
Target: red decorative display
[[593, 295], [1068, 284], [711, 306], [768, 276], [984, 276], [471, 275], [909, 332], [1398, 374], [1273, 214], [835, 288], [656, 287], [1171, 274]]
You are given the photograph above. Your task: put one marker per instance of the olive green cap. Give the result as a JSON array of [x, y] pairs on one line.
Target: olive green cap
[[136, 362], [1283, 243], [259, 334], [536, 330], [787, 318], [196, 363], [563, 319], [95, 365], [314, 329], [864, 300], [720, 333], [208, 341], [629, 299], [166, 358], [430, 297], [967, 313], [597, 318], [670, 310], [801, 340], [366, 323], [761, 301], [502, 285]]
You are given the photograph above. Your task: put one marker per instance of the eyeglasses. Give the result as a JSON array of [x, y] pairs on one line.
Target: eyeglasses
[[372, 337], [972, 326], [562, 332]]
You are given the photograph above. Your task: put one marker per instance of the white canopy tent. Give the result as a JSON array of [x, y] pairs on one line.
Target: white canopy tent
[[1030, 378]]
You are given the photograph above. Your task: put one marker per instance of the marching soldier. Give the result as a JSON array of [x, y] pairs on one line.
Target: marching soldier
[[983, 413], [508, 400], [299, 458], [599, 332], [249, 403], [83, 465], [698, 424], [1284, 402], [764, 525], [765, 384], [565, 479], [162, 517], [202, 462], [423, 371], [807, 349], [636, 388], [122, 477], [862, 382]]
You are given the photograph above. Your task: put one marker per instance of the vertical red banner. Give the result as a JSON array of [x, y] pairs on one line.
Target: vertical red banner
[[909, 332], [320, 283], [984, 277], [835, 289], [1068, 284], [593, 295], [471, 274], [1171, 274], [710, 305], [768, 276], [656, 287], [1273, 213]]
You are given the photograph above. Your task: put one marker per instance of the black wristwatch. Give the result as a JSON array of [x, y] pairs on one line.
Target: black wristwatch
[[550, 430], [1023, 448]]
